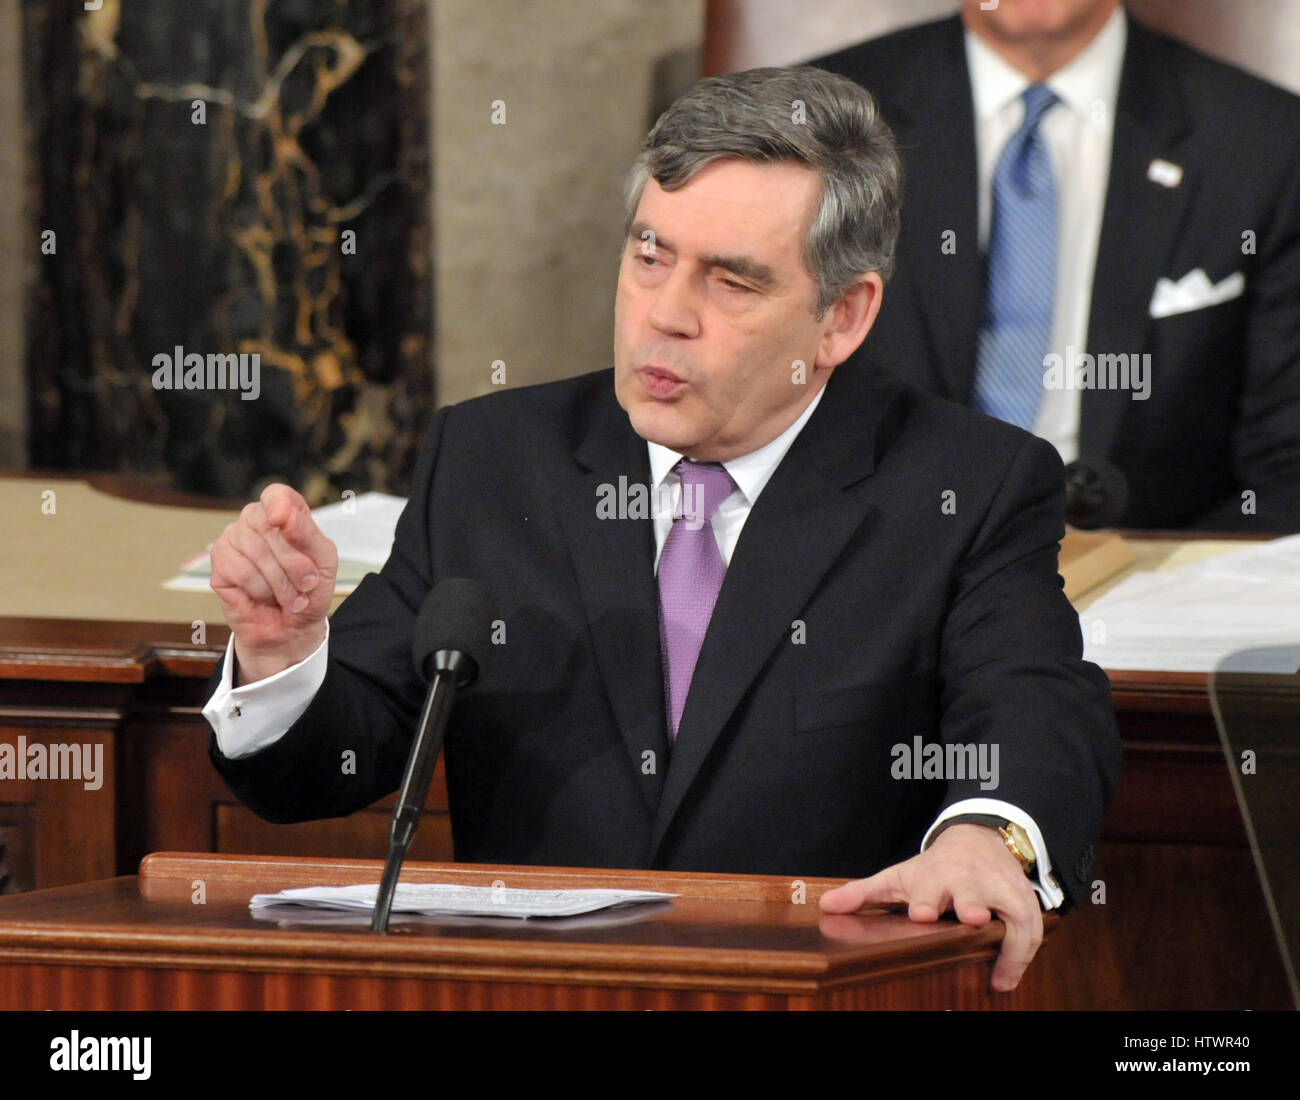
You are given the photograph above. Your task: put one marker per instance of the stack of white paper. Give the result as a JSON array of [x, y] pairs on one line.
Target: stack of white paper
[[1193, 617], [439, 899]]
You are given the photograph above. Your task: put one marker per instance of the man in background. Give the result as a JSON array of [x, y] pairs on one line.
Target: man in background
[[1101, 244]]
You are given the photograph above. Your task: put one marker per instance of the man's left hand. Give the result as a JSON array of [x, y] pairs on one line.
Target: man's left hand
[[969, 870]]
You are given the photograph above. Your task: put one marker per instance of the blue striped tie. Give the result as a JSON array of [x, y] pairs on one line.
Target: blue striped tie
[[1016, 329]]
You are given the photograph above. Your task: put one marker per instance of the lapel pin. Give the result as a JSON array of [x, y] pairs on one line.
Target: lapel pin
[[1164, 173]]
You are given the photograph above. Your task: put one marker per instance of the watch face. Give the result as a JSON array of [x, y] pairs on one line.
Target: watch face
[[1022, 841]]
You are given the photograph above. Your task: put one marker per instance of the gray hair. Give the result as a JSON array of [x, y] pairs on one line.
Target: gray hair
[[800, 114]]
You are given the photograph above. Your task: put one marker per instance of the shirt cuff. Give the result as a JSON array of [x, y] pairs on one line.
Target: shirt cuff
[[247, 719], [1048, 889]]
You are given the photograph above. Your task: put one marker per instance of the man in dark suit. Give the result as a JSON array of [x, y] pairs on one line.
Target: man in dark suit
[[1176, 189], [842, 641]]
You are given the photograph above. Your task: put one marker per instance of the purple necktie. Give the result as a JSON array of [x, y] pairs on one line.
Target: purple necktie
[[690, 576]]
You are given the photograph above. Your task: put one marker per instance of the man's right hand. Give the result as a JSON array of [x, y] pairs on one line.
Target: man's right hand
[[274, 573]]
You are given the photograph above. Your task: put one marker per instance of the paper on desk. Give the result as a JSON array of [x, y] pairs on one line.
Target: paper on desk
[[299, 916], [1276, 560], [1192, 618], [438, 899], [361, 528]]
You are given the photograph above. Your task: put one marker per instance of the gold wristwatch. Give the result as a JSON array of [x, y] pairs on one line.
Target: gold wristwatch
[[1017, 841]]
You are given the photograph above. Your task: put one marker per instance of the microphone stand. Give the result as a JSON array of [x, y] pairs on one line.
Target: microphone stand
[[452, 669]]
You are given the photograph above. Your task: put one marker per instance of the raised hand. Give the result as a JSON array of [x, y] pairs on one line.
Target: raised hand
[[274, 572]]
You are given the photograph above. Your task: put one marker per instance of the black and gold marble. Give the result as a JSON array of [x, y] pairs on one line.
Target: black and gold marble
[[231, 176]]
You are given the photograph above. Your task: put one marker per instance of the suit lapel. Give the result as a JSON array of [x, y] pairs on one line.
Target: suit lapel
[[614, 563], [935, 127], [806, 514], [1139, 226]]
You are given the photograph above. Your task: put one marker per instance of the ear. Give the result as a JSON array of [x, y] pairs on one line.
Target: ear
[[848, 321]]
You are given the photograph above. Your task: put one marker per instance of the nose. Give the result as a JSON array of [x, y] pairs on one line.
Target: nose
[[674, 312]]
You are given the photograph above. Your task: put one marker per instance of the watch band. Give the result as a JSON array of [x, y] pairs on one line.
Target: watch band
[[991, 820]]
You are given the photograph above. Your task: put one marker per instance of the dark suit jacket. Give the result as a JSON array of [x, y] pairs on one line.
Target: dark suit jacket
[[917, 620], [1224, 410]]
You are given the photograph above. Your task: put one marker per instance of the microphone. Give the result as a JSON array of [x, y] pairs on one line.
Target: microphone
[[1096, 493], [450, 647]]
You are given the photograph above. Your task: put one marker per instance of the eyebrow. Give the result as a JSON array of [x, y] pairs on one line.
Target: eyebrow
[[745, 266]]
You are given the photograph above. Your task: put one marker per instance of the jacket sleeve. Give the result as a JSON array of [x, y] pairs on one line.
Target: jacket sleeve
[[1013, 677]]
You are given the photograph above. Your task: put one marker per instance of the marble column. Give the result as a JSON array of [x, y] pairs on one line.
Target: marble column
[[220, 178]]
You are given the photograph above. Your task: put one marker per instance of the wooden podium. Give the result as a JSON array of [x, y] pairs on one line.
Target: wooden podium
[[727, 942]]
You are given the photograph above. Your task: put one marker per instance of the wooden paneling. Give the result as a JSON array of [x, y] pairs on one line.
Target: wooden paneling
[[1182, 927], [64, 831], [17, 849]]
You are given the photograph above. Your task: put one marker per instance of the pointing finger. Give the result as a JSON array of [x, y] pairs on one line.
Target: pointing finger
[[287, 512]]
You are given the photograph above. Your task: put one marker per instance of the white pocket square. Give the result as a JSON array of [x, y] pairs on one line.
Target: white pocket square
[[1194, 291]]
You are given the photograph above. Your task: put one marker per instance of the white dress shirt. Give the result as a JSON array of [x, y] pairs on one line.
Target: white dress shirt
[[246, 719], [1077, 132], [750, 472]]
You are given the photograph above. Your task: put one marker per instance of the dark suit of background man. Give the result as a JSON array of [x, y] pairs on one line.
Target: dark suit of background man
[[883, 565], [1180, 175]]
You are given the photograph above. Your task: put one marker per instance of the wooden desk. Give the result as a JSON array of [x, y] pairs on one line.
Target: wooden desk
[[1173, 843], [729, 942]]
